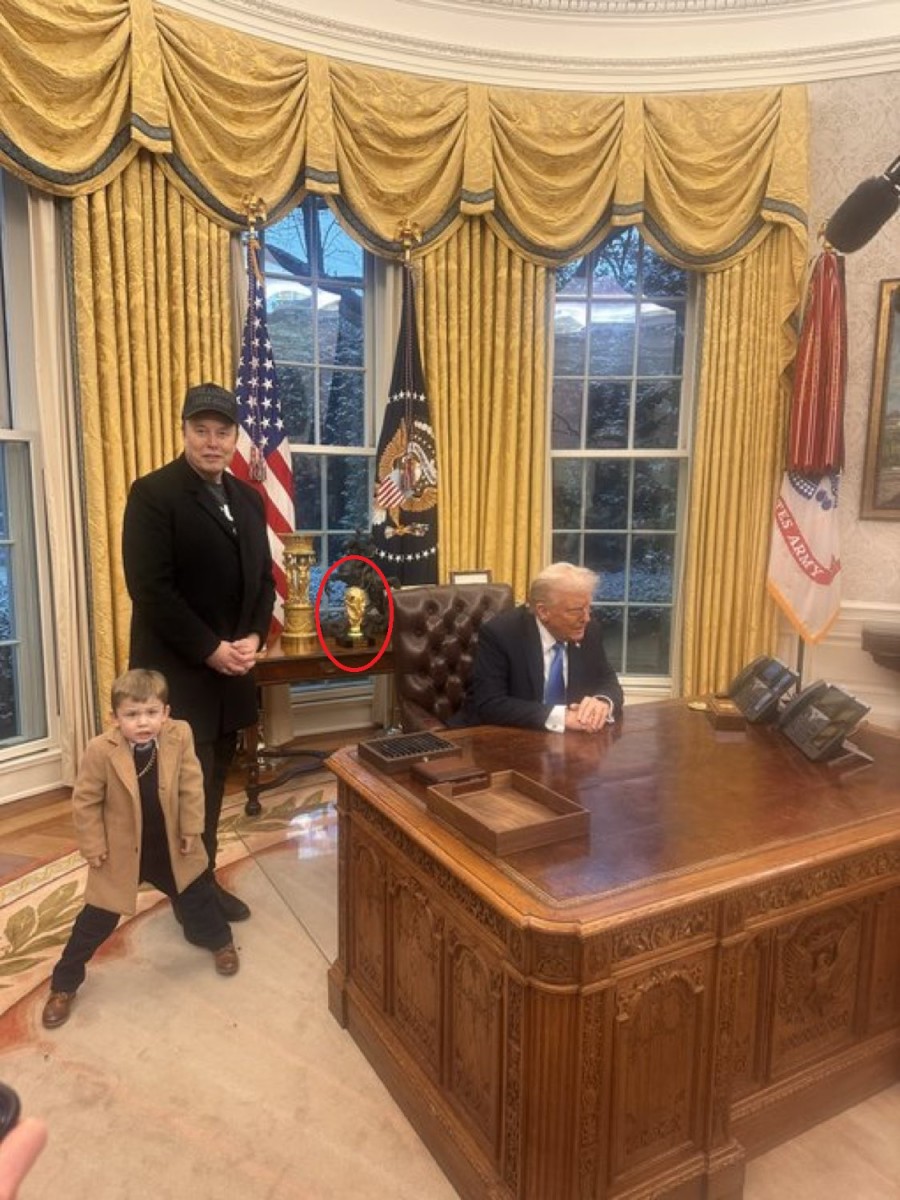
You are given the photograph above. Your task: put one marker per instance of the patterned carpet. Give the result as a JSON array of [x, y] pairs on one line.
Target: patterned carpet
[[168, 1080], [38, 908]]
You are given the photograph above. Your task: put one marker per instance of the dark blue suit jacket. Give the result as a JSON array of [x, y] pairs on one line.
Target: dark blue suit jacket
[[507, 683]]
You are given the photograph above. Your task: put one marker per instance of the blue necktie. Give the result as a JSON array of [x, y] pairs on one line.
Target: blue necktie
[[555, 687]]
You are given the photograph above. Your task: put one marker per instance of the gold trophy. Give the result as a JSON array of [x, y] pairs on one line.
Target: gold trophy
[[355, 604], [299, 633]]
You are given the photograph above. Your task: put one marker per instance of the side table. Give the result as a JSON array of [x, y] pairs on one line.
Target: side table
[[277, 667]]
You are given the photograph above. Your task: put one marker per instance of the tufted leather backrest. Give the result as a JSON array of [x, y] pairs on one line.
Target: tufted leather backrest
[[434, 638]]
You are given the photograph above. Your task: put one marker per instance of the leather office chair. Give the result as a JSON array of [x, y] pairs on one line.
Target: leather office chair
[[434, 638]]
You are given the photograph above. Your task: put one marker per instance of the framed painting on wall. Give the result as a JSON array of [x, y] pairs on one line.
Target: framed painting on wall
[[881, 472]]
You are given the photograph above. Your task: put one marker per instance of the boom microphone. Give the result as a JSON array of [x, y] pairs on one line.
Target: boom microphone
[[866, 209]]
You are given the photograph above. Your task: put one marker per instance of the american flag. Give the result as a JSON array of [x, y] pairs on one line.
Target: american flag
[[263, 454]]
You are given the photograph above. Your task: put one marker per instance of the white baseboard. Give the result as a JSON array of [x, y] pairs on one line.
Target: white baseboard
[[841, 660]]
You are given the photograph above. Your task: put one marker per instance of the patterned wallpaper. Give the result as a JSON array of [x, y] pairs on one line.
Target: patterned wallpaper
[[856, 133]]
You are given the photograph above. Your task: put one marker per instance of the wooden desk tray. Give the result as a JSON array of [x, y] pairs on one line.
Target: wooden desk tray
[[398, 751], [512, 813]]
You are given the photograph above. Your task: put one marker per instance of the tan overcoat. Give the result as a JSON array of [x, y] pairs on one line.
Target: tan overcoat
[[107, 813]]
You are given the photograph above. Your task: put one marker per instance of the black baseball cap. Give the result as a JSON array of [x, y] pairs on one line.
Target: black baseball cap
[[210, 398]]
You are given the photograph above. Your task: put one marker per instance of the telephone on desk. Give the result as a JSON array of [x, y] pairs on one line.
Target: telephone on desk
[[758, 689], [819, 719]]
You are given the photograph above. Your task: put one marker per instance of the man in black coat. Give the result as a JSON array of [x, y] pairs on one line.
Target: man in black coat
[[199, 572], [542, 665]]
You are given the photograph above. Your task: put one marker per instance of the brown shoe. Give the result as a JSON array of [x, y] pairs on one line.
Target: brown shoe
[[57, 1009], [226, 960]]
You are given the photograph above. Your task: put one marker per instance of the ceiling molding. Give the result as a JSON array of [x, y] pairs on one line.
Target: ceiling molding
[[633, 9], [476, 60]]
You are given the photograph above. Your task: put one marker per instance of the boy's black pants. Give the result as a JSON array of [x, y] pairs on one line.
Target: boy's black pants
[[198, 907]]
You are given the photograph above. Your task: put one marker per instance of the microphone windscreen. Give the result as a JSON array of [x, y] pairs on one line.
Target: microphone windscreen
[[862, 214]]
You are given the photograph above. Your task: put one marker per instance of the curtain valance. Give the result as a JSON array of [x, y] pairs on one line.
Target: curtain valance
[[232, 117]]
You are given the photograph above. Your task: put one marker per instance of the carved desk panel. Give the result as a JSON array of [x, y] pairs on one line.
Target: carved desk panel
[[637, 1011]]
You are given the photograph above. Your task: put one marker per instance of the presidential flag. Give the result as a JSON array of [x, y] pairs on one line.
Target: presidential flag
[[404, 518], [805, 561], [263, 454]]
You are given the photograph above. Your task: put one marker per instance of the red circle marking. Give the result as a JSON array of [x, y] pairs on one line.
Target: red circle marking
[[390, 599]]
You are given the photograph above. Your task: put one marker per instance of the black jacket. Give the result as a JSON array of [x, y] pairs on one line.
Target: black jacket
[[507, 684], [194, 583]]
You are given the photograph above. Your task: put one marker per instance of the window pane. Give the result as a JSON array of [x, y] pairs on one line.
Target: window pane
[[289, 308], [289, 236], [662, 339], [607, 416], [606, 496], [660, 277], [349, 489], [613, 622], [616, 264], [340, 320], [652, 565], [649, 641], [612, 337], [23, 712], [339, 545], [9, 724], [342, 403], [6, 598], [307, 491], [656, 412], [567, 547], [655, 500], [341, 256], [568, 337], [572, 278], [567, 493], [605, 554], [296, 390], [568, 397]]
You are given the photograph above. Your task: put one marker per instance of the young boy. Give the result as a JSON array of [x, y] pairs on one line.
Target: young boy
[[139, 810]]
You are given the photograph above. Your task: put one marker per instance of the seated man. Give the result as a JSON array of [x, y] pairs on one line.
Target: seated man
[[542, 665]]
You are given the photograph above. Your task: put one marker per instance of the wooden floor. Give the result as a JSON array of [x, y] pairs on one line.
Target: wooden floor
[[40, 829], [35, 831], [855, 1156]]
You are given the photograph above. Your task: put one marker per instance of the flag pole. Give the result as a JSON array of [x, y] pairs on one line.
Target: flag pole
[[256, 211]]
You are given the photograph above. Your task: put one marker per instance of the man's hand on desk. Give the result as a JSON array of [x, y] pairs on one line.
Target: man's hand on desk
[[589, 715]]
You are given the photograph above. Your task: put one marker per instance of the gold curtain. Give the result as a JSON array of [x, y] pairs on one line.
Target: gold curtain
[[747, 347], [152, 316], [233, 117], [709, 179], [484, 336]]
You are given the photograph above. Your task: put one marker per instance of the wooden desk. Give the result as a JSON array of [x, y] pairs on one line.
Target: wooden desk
[[637, 1012], [313, 667]]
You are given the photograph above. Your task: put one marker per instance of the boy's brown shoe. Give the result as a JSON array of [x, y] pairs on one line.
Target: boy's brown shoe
[[226, 960], [57, 1009]]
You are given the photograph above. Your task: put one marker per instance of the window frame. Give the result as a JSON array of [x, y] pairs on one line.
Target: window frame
[[353, 694], [647, 686], [372, 288], [34, 763]]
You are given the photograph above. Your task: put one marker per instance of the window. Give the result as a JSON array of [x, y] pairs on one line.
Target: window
[[318, 295], [619, 440], [23, 706]]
